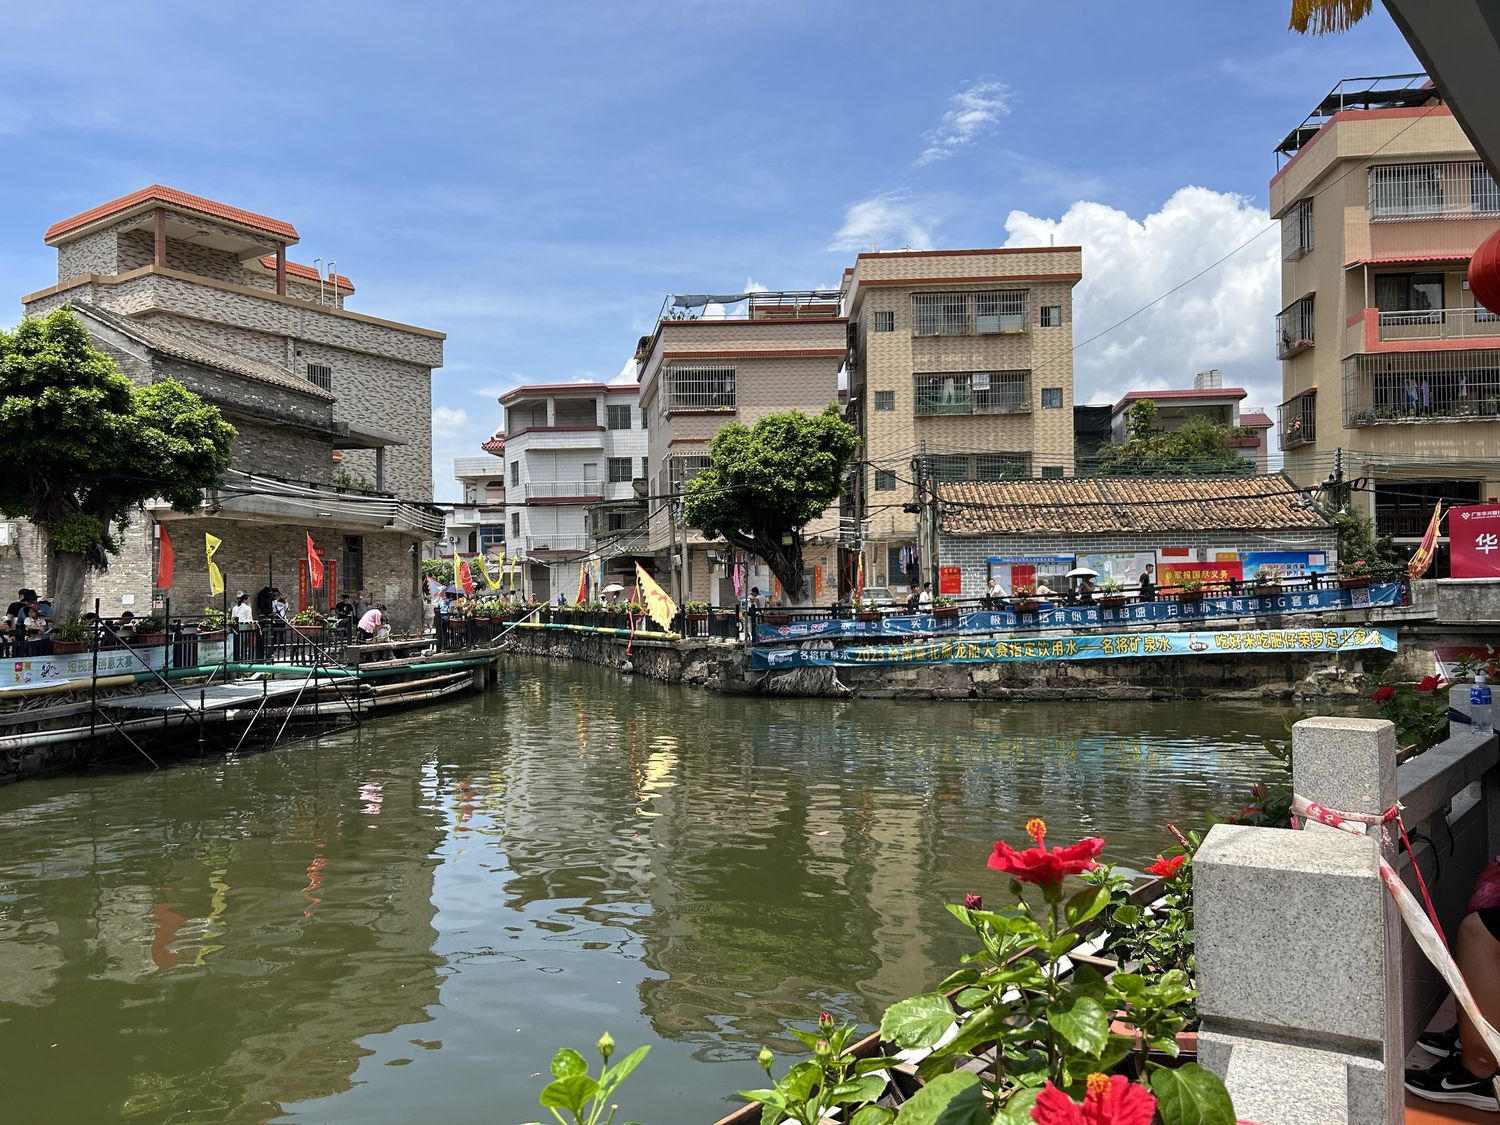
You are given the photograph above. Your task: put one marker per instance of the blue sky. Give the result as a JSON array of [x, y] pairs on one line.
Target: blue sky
[[531, 178]]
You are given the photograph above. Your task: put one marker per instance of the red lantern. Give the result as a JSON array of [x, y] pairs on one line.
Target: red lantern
[[1484, 273]]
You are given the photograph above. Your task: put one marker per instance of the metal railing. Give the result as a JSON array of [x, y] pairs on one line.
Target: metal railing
[[536, 544], [1295, 328], [704, 387], [987, 313], [972, 392], [1457, 189], [1404, 387], [565, 489], [1298, 421], [1439, 324]]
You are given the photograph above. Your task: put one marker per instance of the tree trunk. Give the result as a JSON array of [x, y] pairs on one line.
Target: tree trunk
[[69, 571]]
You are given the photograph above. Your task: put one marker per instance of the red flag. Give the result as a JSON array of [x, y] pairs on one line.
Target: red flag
[[314, 565], [167, 561], [465, 579], [1421, 559]]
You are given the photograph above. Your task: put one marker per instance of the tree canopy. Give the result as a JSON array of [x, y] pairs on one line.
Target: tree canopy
[[765, 483], [1197, 447], [85, 447]]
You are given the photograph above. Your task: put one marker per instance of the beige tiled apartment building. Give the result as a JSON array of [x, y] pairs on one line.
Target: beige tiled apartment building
[[1390, 369], [767, 353], [966, 357]]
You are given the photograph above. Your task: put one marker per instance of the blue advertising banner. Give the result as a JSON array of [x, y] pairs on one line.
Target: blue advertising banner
[[1086, 617], [1285, 564], [1084, 647]]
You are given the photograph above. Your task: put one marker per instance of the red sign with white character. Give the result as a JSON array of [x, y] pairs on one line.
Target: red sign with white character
[[1474, 541]]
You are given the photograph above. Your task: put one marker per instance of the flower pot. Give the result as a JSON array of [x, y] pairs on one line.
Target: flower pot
[[1025, 606], [867, 615], [68, 648], [210, 634], [1355, 581], [1114, 601], [1187, 1041], [776, 618], [945, 612], [308, 630], [150, 639], [697, 617], [1267, 589], [1190, 596]]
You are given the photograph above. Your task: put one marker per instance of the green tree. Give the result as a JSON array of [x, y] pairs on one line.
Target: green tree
[[441, 569], [765, 482], [1197, 447], [85, 447]]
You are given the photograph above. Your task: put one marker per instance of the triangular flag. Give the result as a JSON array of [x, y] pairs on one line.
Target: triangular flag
[[659, 604], [314, 565], [167, 562], [211, 544]]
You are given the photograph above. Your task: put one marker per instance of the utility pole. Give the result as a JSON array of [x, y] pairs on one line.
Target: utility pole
[[675, 560]]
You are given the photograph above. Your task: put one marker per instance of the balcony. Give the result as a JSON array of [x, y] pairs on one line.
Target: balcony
[[1295, 328], [1410, 388], [972, 392], [1439, 324], [544, 545], [491, 467], [262, 499], [1297, 424], [1460, 189], [564, 491]]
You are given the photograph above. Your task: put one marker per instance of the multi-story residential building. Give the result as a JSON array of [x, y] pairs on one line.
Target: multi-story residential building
[[1391, 371], [961, 366], [333, 408], [476, 524], [1208, 399], [573, 452], [764, 353]]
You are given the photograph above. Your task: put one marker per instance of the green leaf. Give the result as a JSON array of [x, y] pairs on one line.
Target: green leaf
[[1126, 915], [1085, 904], [1017, 1110], [865, 1089], [971, 998], [955, 979], [616, 1074], [799, 1082], [1088, 981], [873, 1115], [1083, 1022], [949, 1099], [917, 1022], [986, 1025], [568, 1062], [1191, 1095], [571, 1093]]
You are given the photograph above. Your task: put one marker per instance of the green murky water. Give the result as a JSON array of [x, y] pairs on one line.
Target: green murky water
[[404, 921]]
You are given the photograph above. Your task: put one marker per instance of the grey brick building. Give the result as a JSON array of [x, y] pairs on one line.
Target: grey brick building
[[333, 408]]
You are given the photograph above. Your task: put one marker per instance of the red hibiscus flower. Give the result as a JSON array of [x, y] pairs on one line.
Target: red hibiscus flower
[[973, 902], [1109, 1101], [1383, 693], [1047, 868], [1429, 683], [1165, 867]]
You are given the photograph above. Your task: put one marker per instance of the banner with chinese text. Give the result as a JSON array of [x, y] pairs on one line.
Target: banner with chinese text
[[1474, 541]]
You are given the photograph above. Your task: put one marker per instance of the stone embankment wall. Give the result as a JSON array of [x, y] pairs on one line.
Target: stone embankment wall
[[723, 667]]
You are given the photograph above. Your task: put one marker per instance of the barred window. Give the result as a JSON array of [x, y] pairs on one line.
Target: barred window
[[883, 321], [515, 525], [1052, 398], [700, 388], [979, 466], [885, 400], [964, 314], [681, 469], [1051, 472], [973, 392], [617, 417], [885, 480], [1000, 311], [1051, 316], [1297, 231], [320, 375], [619, 470]]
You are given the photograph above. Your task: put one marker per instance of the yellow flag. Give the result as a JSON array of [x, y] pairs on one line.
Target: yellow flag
[[1421, 558], [211, 544], [659, 604], [484, 572]]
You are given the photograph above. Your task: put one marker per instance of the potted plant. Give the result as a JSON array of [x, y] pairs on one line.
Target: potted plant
[[944, 608], [1355, 574], [215, 623], [1420, 712], [1023, 598], [1190, 590], [1267, 582], [70, 635], [866, 611], [695, 611], [306, 623], [150, 630], [1112, 595]]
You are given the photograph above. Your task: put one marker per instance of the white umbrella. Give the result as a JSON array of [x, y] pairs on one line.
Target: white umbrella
[[613, 588], [1081, 572]]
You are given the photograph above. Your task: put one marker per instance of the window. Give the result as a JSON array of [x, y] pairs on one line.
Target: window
[[515, 525], [883, 321], [1405, 190], [1002, 311], [1484, 192], [978, 466], [885, 480], [901, 565], [1051, 316], [320, 375], [1297, 231], [353, 574], [1051, 472], [1298, 421], [963, 314], [700, 388], [1294, 328], [491, 537], [885, 400], [515, 474], [1051, 398], [973, 392], [617, 417], [645, 468], [619, 470], [1409, 293], [679, 470]]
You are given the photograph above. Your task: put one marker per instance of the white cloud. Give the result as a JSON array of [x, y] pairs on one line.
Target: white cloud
[[1222, 319], [974, 110], [887, 221], [448, 423]]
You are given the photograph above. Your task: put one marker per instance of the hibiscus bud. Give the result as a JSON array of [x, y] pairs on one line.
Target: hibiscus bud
[[606, 1045], [822, 1047], [825, 1020], [765, 1058], [973, 902]]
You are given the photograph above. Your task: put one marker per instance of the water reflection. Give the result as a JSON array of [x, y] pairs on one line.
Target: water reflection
[[410, 917]]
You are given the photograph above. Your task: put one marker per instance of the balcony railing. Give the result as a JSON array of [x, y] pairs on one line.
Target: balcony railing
[[1294, 328], [555, 544], [565, 490], [1414, 387], [972, 392], [1440, 324], [1461, 189], [1298, 421]]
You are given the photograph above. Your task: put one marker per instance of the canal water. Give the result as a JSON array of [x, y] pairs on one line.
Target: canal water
[[405, 921]]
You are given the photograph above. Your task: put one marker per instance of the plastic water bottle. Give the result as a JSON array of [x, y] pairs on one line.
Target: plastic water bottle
[[1481, 711]]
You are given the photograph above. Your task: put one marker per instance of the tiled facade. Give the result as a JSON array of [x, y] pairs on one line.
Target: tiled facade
[[1389, 369], [892, 352]]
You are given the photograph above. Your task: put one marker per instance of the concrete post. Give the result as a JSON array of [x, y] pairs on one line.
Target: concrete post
[[1299, 946], [159, 238]]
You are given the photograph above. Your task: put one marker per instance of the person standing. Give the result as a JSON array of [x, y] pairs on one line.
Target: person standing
[[1148, 588], [924, 599], [242, 616]]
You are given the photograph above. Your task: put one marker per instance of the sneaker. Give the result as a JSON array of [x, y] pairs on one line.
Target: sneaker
[[1440, 1043], [1448, 1081]]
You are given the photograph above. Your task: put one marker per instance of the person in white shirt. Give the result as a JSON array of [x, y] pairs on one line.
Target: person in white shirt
[[924, 599], [994, 594], [242, 614]]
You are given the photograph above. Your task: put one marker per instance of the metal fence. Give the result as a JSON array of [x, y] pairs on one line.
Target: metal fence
[[1413, 386], [1439, 189], [969, 314], [1440, 324], [1294, 328]]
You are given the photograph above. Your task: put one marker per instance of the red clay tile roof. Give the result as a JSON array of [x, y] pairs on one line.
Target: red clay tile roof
[[1206, 392], [1257, 419], [297, 269], [171, 197], [1124, 505], [495, 444]]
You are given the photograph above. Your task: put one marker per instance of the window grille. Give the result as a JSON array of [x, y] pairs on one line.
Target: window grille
[[1294, 328], [320, 375], [700, 388], [885, 480], [1417, 387], [1416, 191], [1000, 311], [1051, 316], [979, 466], [681, 469], [618, 417], [1297, 231], [883, 321], [619, 470], [1297, 421], [1051, 472], [515, 525], [964, 314], [973, 392], [885, 400], [515, 474]]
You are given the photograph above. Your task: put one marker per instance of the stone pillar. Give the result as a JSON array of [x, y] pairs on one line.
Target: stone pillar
[[159, 238], [281, 269], [1299, 946]]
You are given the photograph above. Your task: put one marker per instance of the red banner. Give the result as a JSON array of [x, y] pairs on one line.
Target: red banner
[[1209, 573], [301, 585], [950, 580], [1474, 541], [167, 562]]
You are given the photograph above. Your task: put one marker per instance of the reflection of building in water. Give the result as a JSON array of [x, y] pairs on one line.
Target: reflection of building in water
[[169, 942]]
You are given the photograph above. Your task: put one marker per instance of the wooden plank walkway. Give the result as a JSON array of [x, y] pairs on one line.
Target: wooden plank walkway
[[217, 697]]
